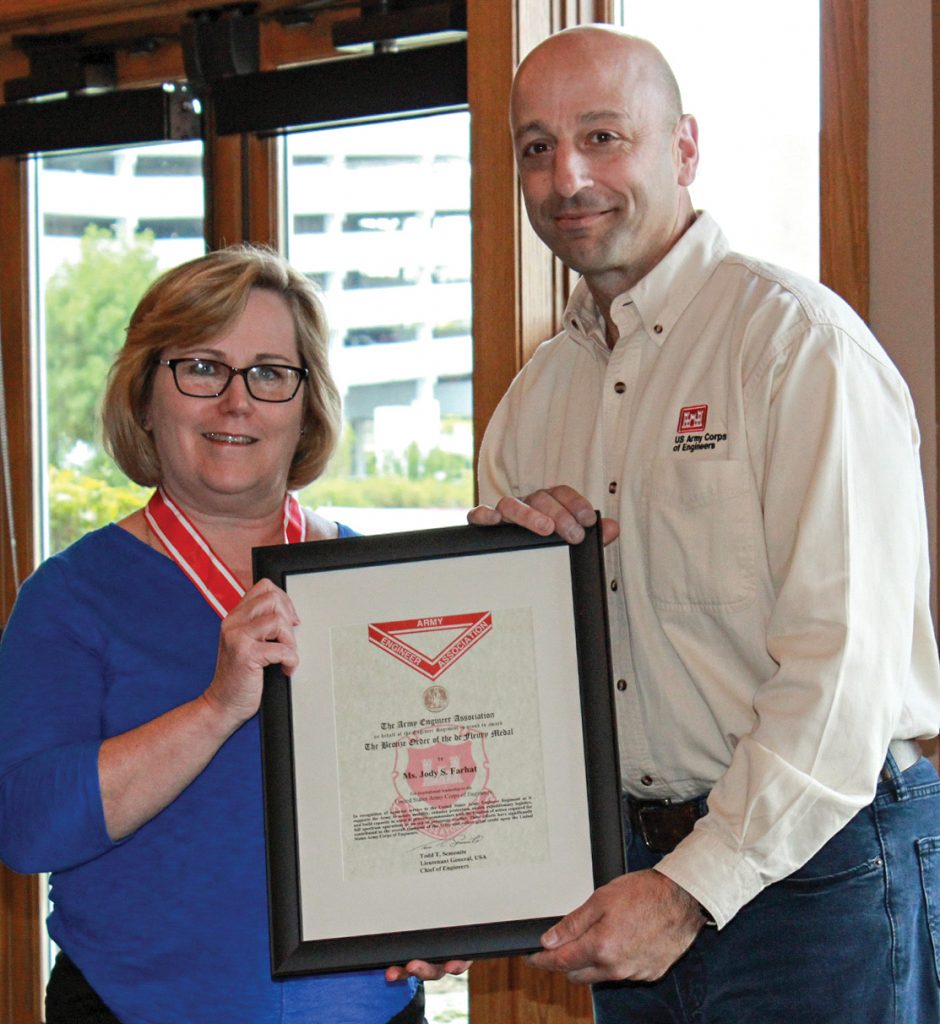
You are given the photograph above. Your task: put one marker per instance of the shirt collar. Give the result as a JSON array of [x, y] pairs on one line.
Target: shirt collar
[[663, 294], [583, 319]]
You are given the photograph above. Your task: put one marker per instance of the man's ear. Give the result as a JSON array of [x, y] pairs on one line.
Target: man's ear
[[685, 142]]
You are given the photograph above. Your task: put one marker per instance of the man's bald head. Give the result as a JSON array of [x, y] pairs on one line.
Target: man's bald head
[[638, 60], [605, 154]]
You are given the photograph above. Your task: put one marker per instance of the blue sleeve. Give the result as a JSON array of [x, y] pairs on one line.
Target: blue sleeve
[[346, 531], [52, 681]]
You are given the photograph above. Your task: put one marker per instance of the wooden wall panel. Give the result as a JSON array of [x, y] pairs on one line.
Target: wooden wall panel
[[20, 995], [21, 998], [14, 329], [843, 151], [241, 194], [491, 59]]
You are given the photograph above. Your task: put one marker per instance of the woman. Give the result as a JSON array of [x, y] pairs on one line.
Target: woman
[[131, 668]]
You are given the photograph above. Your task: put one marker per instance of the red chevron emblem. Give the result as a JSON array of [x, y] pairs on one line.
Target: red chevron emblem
[[433, 643]]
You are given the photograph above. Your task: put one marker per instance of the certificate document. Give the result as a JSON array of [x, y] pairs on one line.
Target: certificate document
[[451, 777], [427, 764]]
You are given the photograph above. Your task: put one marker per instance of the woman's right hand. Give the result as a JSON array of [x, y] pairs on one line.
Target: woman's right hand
[[258, 632]]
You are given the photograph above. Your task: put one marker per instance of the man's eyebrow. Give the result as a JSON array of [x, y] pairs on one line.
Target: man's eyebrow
[[587, 118], [592, 116], [529, 127]]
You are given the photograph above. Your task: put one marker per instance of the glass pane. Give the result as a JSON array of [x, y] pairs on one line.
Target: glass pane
[[106, 223], [379, 216], [749, 72]]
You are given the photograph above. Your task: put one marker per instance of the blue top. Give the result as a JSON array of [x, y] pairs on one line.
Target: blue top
[[170, 925]]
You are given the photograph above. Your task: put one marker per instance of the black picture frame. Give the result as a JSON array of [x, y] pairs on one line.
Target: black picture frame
[[577, 818]]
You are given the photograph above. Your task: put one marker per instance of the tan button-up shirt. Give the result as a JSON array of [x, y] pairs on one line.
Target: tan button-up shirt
[[768, 594]]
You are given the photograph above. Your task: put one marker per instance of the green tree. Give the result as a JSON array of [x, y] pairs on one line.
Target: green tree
[[79, 503], [88, 305], [439, 479]]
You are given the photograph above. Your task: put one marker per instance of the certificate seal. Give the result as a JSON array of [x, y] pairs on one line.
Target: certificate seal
[[441, 779], [435, 698]]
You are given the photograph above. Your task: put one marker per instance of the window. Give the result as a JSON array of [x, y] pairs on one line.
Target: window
[[309, 223], [64, 225], [396, 282], [102, 241], [359, 279], [171, 227], [83, 163], [376, 221], [368, 160], [168, 166], [451, 329], [379, 335]]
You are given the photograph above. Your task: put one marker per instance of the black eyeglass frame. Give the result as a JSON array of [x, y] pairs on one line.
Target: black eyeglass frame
[[236, 371]]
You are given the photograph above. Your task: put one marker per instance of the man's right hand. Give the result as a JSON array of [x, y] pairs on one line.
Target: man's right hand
[[560, 510]]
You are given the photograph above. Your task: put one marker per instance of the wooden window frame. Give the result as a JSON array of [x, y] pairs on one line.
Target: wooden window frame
[[509, 320]]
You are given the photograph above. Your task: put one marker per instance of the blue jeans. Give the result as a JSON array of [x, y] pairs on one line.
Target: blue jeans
[[853, 937]]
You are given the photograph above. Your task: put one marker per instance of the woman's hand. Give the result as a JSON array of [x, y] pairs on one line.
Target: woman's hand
[[144, 769], [257, 633], [425, 971]]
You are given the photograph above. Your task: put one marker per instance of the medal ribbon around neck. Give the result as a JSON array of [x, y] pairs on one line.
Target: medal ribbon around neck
[[193, 554]]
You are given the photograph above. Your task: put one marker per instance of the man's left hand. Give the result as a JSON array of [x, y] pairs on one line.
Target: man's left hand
[[634, 928]]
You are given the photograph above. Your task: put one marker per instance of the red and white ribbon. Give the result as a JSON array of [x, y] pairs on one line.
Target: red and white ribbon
[[193, 554]]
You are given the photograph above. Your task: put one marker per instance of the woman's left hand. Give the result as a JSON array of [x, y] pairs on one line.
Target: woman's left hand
[[425, 971]]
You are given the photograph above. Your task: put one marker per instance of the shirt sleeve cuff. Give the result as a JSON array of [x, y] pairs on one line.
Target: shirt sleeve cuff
[[719, 878]]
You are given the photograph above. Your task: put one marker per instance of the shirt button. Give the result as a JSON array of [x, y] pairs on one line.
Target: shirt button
[[647, 780], [612, 487], [621, 685], [613, 584], [620, 387], [658, 329]]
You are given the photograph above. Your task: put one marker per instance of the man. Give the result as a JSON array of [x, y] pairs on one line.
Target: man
[[774, 658]]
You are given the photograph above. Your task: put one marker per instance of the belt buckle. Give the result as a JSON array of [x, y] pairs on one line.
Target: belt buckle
[[664, 825], [649, 833]]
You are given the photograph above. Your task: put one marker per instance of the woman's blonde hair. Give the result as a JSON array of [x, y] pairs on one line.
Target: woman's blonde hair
[[192, 304]]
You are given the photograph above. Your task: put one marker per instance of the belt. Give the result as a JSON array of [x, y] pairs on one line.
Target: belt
[[662, 824]]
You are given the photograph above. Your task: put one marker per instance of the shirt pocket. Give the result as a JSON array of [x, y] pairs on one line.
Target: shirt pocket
[[701, 527]]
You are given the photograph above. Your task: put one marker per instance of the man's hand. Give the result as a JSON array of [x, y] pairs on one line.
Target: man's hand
[[634, 928], [560, 510]]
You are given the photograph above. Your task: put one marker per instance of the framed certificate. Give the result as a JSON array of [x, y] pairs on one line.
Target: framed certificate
[[440, 773]]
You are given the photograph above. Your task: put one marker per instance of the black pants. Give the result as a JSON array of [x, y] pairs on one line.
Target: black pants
[[71, 1000]]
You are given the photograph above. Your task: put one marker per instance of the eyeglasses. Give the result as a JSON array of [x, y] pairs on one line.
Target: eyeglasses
[[207, 378]]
